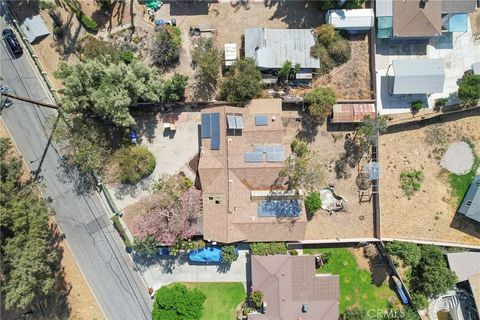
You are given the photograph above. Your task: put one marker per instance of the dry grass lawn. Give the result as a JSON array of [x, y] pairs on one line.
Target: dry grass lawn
[[429, 214]]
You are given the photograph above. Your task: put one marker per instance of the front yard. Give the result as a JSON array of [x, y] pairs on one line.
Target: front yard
[[222, 298], [357, 288]]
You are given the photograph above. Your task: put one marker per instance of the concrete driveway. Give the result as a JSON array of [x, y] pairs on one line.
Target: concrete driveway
[[158, 272]]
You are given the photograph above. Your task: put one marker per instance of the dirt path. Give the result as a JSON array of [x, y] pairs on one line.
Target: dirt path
[[81, 302]]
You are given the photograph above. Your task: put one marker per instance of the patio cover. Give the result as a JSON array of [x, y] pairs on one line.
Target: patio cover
[[34, 28], [420, 76], [345, 113]]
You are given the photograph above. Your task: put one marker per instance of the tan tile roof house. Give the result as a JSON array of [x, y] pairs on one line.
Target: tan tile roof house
[[292, 290], [416, 18], [242, 153]]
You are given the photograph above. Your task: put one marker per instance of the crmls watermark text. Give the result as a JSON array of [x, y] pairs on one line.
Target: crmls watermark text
[[381, 313]]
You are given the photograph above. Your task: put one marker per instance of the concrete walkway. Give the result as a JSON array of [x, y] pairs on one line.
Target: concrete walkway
[[158, 272]]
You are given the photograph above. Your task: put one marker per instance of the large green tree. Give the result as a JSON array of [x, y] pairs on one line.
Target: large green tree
[[242, 83], [469, 89], [321, 102], [105, 89], [28, 259], [177, 302], [207, 60], [369, 128]]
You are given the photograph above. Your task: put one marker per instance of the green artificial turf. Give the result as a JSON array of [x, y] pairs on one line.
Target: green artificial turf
[[356, 285], [222, 298], [459, 184]]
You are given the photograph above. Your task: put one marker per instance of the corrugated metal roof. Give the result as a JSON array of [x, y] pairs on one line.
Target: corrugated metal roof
[[354, 19], [272, 47], [34, 27], [420, 76], [383, 8], [345, 113], [452, 6], [470, 206], [464, 264]]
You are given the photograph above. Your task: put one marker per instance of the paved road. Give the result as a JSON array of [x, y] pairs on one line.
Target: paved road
[[83, 219]]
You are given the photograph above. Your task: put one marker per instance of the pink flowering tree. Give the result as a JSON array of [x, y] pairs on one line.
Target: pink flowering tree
[[167, 219]]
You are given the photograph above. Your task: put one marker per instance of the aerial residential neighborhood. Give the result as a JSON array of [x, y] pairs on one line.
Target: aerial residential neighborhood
[[240, 159]]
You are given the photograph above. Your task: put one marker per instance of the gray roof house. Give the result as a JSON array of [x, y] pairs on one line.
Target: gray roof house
[[34, 28], [464, 264], [419, 76], [470, 206], [272, 47]]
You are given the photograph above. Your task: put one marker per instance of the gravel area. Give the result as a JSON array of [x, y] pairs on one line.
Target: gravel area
[[458, 159]]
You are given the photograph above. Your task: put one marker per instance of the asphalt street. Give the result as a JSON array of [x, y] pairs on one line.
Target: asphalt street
[[83, 218]]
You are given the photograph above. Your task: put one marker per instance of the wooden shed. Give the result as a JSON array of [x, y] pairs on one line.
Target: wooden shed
[[352, 112]]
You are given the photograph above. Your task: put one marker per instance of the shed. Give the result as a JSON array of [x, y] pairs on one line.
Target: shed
[[272, 47], [470, 206], [230, 53], [355, 20], [419, 76], [34, 28], [346, 113]]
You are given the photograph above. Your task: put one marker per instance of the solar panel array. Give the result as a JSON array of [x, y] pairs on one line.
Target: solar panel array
[[235, 122], [279, 208], [274, 153], [253, 157], [211, 129], [261, 120]]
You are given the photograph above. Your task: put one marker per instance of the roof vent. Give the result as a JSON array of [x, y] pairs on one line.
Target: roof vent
[[305, 307]]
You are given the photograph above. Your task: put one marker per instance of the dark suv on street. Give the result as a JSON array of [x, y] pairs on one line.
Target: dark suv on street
[[12, 42]]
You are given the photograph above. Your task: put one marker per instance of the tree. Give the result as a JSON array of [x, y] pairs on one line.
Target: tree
[[106, 90], [299, 148], [207, 58], [166, 47], [419, 300], [313, 202], [288, 71], [174, 88], [409, 252], [325, 34], [242, 83], [257, 298], [369, 128], [469, 89], [177, 302], [305, 172], [167, 218], [432, 277], [147, 246], [229, 254], [321, 102]]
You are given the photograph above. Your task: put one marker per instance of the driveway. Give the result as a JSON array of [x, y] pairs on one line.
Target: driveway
[[457, 50], [158, 272]]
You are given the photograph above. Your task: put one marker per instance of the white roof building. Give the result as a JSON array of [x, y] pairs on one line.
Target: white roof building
[[418, 76], [351, 19], [34, 28]]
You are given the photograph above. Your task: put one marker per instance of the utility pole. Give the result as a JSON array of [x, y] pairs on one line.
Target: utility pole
[[4, 91]]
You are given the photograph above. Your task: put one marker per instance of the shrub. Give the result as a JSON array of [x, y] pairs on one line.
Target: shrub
[[419, 300], [442, 102], [147, 246], [187, 183], [127, 56], [320, 52], [354, 4], [409, 252], [229, 254], [321, 102], [257, 298], [242, 83], [90, 47], [178, 302], [174, 88], [88, 23], [313, 202], [47, 5], [411, 181], [299, 148], [340, 51], [325, 5], [135, 163], [469, 89], [288, 71], [121, 231], [268, 248], [293, 252], [417, 105], [166, 47], [58, 31], [325, 34]]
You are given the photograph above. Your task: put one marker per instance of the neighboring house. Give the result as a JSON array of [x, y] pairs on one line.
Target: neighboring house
[[352, 112], [418, 76], [34, 28], [292, 290], [242, 153], [470, 206], [466, 266], [272, 47], [417, 19], [353, 20]]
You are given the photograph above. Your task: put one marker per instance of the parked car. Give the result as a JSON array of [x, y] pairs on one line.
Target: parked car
[[12, 42]]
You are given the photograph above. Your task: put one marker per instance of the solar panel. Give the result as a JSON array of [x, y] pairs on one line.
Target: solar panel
[[269, 148], [206, 128], [279, 208], [259, 148], [261, 120], [239, 122], [279, 148], [253, 157], [231, 122], [275, 157], [215, 124]]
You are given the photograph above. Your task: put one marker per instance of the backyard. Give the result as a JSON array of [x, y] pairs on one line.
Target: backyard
[[359, 287], [428, 213], [222, 298]]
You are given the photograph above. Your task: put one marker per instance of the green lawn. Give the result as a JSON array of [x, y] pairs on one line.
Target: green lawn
[[459, 184], [356, 285], [222, 298]]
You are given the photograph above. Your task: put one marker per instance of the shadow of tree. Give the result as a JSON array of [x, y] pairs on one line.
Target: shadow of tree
[[146, 125], [308, 128], [296, 14]]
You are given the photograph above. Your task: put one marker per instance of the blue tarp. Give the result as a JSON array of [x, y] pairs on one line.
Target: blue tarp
[[209, 254], [458, 23]]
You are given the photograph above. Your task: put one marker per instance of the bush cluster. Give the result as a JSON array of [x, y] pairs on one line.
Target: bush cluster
[[166, 47], [257, 298], [331, 51], [229, 254], [313, 202], [268, 248], [135, 163], [299, 148], [321, 101], [411, 181], [417, 105]]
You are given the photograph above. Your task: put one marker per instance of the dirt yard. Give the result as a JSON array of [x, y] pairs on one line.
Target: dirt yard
[[357, 219], [351, 81], [429, 214], [81, 303]]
